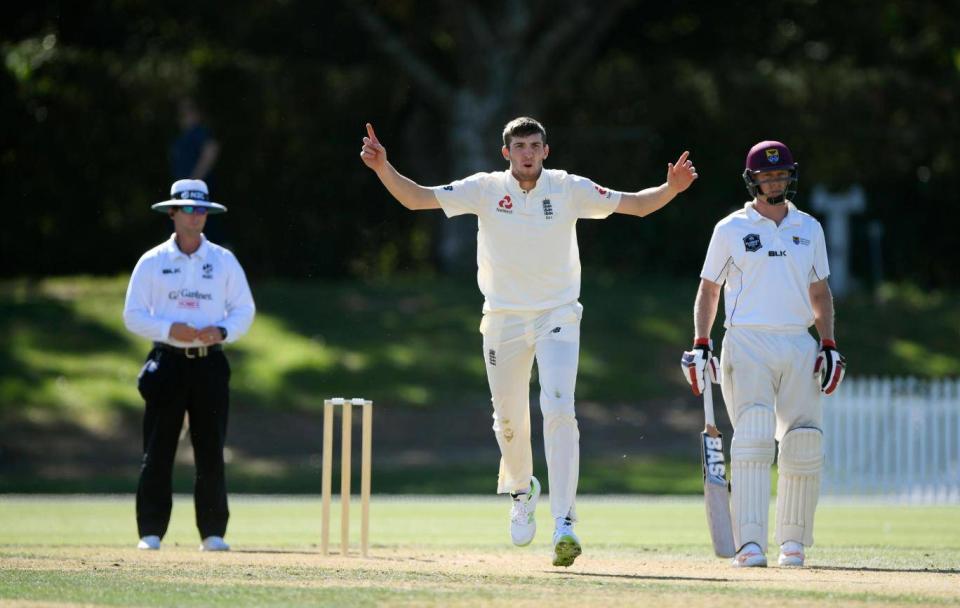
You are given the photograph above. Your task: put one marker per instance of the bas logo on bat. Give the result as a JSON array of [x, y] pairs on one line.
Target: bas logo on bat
[[714, 450]]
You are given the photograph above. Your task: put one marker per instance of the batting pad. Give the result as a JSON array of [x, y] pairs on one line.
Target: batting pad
[[751, 454], [798, 487]]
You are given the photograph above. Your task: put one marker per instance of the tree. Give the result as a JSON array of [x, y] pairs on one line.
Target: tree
[[491, 62]]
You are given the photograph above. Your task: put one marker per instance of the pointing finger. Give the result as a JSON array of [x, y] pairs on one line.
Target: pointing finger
[[371, 134], [683, 157]]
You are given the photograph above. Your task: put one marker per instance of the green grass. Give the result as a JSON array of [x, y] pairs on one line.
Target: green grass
[[68, 367], [414, 342], [455, 551]]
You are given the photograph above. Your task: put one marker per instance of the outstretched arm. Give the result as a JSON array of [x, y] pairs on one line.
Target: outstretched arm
[[411, 195], [680, 176]]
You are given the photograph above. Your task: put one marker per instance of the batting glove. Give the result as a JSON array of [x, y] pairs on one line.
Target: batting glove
[[830, 367], [696, 364]]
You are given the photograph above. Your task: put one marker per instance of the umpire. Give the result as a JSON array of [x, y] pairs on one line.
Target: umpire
[[189, 296]]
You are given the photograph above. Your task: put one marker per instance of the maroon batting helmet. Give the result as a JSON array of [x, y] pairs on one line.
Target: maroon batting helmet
[[766, 156]]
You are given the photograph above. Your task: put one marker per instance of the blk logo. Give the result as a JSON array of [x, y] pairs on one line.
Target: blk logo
[[777, 254]]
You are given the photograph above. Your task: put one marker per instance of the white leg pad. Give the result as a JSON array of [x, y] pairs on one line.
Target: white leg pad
[[751, 454], [798, 488]]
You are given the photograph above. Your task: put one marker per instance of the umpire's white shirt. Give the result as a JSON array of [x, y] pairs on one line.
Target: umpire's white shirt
[[768, 269], [205, 288], [527, 255]]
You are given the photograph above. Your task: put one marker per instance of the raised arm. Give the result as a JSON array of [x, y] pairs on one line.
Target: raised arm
[[411, 195], [680, 176]]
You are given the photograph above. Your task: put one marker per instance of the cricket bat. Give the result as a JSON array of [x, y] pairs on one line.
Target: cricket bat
[[716, 493]]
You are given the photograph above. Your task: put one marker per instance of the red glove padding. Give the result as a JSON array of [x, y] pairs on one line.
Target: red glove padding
[[697, 363], [830, 367]]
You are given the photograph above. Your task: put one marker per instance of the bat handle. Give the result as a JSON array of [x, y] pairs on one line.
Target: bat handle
[[711, 423]]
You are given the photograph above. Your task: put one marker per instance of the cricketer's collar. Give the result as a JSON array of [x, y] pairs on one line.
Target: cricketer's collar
[[792, 218], [173, 251], [514, 186]]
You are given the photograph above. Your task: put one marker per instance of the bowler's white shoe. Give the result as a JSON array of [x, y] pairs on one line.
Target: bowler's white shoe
[[750, 556], [791, 554], [214, 543], [523, 524], [566, 545], [149, 543]]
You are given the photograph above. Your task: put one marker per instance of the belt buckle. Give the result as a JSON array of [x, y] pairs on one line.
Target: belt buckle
[[198, 352]]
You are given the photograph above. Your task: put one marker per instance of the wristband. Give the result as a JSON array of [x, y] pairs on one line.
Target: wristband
[[827, 343], [701, 342]]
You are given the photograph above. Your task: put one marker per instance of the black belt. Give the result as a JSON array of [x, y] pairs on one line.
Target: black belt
[[190, 352]]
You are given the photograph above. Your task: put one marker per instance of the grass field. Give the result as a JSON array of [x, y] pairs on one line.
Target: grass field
[[455, 552]]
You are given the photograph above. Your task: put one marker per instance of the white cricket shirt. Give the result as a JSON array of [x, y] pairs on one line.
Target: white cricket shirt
[[206, 288], [527, 254], [768, 269]]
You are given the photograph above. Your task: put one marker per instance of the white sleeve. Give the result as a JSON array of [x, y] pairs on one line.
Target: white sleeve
[[238, 303], [137, 311], [821, 267], [591, 201], [718, 260], [462, 196]]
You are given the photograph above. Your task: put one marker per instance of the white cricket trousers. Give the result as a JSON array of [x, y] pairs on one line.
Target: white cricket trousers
[[511, 341], [771, 394]]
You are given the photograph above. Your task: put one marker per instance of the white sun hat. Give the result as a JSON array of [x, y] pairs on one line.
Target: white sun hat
[[191, 192]]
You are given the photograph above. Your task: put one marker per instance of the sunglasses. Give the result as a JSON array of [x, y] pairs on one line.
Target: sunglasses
[[192, 209]]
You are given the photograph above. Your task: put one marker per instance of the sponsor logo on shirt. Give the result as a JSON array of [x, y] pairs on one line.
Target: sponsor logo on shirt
[[547, 209], [492, 356], [208, 271], [752, 243], [777, 254], [797, 240], [602, 191], [448, 188], [189, 293], [171, 271], [505, 205]]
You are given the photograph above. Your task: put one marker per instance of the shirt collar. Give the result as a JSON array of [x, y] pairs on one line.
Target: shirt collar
[[174, 251], [514, 185], [791, 219]]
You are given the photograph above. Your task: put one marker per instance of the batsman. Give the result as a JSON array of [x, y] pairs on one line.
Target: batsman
[[771, 261]]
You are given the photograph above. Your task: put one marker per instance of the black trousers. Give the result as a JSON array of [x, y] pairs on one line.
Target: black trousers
[[171, 385]]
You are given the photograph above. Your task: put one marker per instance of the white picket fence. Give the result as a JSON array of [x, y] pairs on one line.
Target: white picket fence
[[893, 437]]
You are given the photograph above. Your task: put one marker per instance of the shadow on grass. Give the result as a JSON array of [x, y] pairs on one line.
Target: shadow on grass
[[868, 569], [640, 577]]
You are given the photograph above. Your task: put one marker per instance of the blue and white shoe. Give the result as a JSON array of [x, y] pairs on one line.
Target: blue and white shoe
[[566, 545], [523, 524], [149, 543], [214, 543]]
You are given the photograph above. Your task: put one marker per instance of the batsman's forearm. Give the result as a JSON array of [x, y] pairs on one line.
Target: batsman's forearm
[[823, 315], [411, 195], [705, 310]]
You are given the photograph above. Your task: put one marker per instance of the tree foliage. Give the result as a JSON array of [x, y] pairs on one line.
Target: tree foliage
[[862, 92]]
